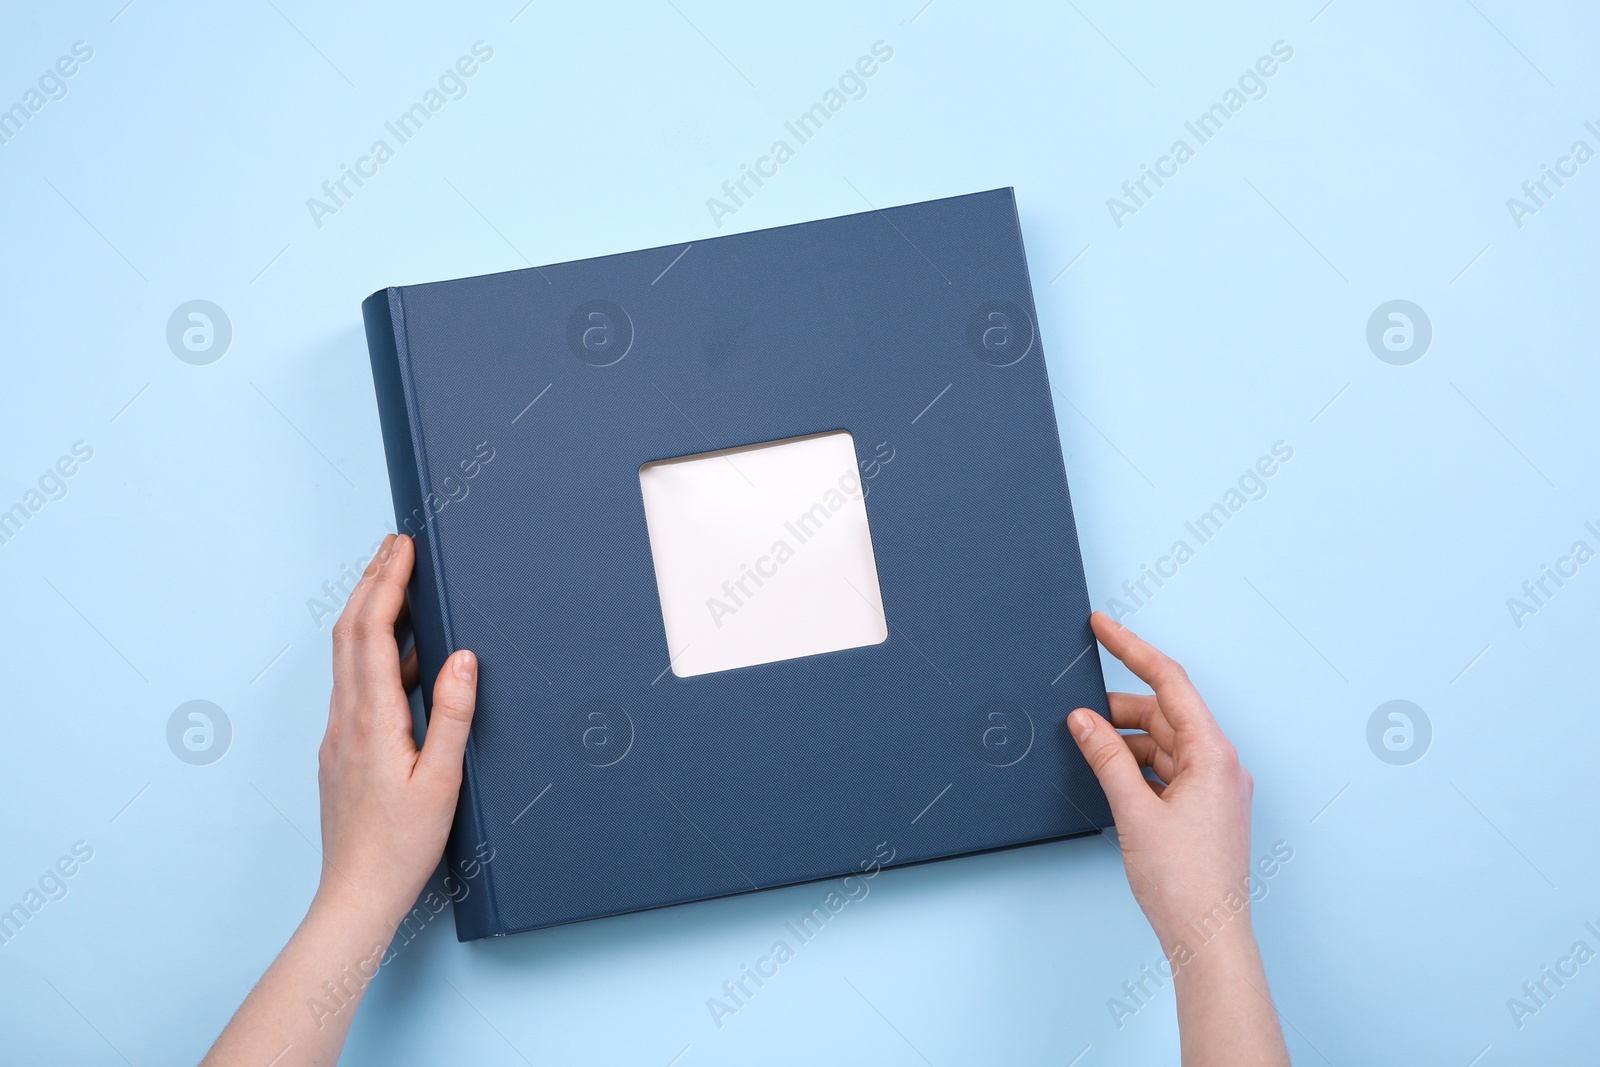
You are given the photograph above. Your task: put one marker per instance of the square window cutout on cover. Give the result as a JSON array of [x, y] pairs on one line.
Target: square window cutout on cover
[[762, 553]]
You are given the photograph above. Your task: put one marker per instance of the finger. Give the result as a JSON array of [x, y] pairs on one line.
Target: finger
[[410, 672], [455, 696], [1152, 755], [377, 657], [1130, 711], [1158, 788], [1112, 761], [1141, 711], [344, 627], [358, 595], [1180, 702]]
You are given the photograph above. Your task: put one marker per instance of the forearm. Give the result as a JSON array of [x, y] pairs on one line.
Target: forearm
[[301, 1009], [1225, 1012]]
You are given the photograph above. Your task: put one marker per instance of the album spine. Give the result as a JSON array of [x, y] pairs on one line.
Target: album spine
[[404, 447]]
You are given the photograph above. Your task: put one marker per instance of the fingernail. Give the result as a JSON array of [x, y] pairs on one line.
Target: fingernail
[[1082, 723], [466, 666]]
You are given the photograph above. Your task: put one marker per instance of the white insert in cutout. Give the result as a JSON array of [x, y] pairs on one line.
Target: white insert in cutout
[[762, 553]]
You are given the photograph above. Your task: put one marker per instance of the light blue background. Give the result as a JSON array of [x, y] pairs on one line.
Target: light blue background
[[1227, 314]]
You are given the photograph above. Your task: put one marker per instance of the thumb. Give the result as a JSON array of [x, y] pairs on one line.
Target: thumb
[[455, 695], [1112, 761]]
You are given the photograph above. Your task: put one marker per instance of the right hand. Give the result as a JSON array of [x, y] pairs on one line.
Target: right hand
[[1186, 839]]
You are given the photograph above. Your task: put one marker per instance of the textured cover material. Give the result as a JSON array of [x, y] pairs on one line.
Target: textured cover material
[[517, 409]]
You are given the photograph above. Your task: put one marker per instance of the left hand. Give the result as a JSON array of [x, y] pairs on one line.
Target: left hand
[[386, 805]]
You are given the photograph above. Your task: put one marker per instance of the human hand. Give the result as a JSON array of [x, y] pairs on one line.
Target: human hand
[[386, 811], [1186, 848], [1185, 843], [386, 806]]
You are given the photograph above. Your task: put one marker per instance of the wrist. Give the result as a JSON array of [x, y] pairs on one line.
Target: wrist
[[353, 912], [336, 953], [1203, 950]]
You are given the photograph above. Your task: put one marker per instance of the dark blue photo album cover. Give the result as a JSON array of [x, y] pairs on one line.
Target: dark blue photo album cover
[[765, 547]]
